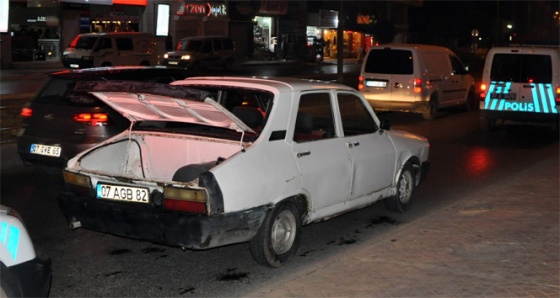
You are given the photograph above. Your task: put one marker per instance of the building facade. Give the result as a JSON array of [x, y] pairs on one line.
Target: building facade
[[39, 30]]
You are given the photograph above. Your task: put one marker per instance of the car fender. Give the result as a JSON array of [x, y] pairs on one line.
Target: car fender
[[15, 244]]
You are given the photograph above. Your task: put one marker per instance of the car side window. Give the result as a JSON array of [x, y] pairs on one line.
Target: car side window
[[457, 66], [314, 119], [104, 43], [217, 44], [356, 119], [206, 47]]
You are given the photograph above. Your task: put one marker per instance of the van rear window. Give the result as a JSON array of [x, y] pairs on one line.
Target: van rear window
[[521, 68], [389, 61]]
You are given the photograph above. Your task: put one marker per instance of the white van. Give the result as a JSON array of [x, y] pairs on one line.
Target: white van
[[415, 78], [111, 49], [520, 84]]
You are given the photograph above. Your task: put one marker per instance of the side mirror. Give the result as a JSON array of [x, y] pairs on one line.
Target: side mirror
[[385, 124]]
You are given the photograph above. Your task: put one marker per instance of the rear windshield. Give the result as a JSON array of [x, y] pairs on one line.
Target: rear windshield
[[61, 92], [521, 68], [389, 61]]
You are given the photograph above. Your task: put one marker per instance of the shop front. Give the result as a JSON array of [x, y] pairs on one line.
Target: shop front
[[34, 33]]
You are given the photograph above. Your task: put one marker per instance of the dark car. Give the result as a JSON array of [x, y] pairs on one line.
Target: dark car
[[60, 122]]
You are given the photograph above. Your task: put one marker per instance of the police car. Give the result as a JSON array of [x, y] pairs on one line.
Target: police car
[[520, 84], [22, 273]]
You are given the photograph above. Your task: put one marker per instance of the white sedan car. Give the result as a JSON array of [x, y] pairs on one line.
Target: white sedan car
[[222, 160]]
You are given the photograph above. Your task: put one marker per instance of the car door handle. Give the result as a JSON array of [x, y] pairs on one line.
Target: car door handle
[[354, 144], [302, 154]]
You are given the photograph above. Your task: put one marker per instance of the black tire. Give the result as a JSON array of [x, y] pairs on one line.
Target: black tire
[[405, 188], [471, 104], [432, 111], [279, 236]]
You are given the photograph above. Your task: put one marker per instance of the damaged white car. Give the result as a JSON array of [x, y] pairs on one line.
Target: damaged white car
[[222, 160]]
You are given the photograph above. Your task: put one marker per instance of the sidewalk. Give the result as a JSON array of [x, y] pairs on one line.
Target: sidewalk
[[503, 241]]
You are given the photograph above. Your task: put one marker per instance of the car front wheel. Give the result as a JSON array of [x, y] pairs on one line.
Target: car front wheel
[[279, 236], [405, 188]]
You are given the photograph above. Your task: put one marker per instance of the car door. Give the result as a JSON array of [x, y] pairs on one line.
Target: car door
[[322, 158], [457, 83], [371, 151]]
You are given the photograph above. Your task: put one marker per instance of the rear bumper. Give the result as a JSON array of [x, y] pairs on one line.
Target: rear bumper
[[399, 106], [520, 117], [154, 224]]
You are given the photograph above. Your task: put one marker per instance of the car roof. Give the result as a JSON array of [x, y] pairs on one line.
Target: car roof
[[118, 72], [272, 84], [411, 46]]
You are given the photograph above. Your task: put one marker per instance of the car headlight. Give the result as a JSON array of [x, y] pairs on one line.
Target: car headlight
[[165, 56], [186, 57]]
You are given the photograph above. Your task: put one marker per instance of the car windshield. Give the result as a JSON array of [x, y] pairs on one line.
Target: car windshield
[[190, 45], [193, 129], [84, 42], [521, 68]]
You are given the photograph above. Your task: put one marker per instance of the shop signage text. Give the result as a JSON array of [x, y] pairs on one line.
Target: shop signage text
[[207, 9]]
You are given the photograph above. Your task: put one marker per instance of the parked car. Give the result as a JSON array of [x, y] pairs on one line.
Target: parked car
[[59, 122], [202, 51], [190, 173], [416, 78], [520, 84], [111, 49], [22, 272]]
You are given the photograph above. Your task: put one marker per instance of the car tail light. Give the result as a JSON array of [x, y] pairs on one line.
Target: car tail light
[[77, 183], [93, 119], [26, 112], [483, 89], [558, 95], [183, 199], [417, 85], [360, 82]]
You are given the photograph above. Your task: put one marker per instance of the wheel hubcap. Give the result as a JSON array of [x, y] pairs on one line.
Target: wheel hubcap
[[405, 187], [283, 232]]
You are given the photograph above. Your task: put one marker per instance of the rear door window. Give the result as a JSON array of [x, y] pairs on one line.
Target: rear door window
[[388, 61], [521, 68]]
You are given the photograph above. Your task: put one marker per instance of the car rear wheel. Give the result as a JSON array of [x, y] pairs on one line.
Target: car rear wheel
[[405, 188], [431, 112], [279, 236], [471, 104]]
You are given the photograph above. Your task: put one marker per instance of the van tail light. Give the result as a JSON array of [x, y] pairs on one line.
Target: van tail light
[[360, 83], [26, 112], [93, 119], [184, 199], [483, 90], [417, 85], [558, 95]]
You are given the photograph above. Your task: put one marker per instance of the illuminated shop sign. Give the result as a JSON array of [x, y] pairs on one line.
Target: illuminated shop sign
[[206, 9]]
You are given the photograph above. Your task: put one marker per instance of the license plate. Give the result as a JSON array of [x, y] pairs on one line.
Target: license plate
[[506, 96], [74, 66], [45, 150], [123, 193], [380, 84], [173, 62]]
